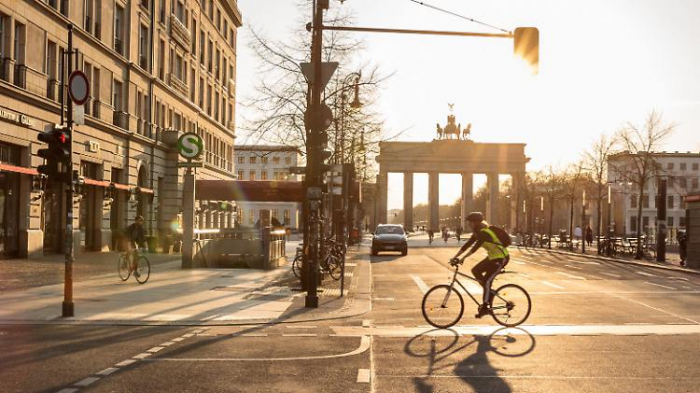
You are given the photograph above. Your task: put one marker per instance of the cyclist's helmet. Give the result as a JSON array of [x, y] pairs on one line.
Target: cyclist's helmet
[[475, 217]]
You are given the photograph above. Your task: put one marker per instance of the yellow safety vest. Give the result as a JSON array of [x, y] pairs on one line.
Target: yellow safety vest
[[494, 249]]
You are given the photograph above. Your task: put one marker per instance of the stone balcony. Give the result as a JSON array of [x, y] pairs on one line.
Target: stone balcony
[[179, 32]]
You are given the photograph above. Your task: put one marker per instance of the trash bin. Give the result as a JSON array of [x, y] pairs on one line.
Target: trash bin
[[152, 242]]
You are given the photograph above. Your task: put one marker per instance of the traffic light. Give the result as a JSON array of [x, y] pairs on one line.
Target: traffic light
[[526, 45], [58, 151]]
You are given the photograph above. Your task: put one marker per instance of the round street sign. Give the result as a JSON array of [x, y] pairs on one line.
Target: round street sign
[[321, 123], [78, 87], [190, 145]]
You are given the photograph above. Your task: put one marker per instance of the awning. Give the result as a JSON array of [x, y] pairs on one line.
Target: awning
[[18, 169], [123, 187], [143, 190], [98, 183]]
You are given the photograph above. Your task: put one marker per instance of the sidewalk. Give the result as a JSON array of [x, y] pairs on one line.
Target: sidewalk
[[188, 297]]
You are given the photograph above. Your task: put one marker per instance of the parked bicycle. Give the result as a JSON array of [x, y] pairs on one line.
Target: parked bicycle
[[134, 262], [443, 305], [332, 257]]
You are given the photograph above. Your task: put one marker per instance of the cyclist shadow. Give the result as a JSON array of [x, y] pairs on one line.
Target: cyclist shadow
[[476, 370]]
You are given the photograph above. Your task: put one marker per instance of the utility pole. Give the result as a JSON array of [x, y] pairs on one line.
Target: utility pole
[[68, 306], [584, 227], [661, 223], [314, 170]]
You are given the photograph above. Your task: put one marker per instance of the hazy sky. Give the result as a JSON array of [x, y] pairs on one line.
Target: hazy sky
[[602, 63]]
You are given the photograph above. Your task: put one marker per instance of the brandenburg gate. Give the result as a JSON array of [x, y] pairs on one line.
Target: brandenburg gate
[[460, 156]]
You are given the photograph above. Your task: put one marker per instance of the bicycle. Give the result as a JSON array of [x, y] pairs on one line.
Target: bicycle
[[443, 305], [140, 266], [330, 260]]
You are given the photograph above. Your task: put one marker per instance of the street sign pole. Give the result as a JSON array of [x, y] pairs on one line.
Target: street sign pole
[[68, 306], [190, 146]]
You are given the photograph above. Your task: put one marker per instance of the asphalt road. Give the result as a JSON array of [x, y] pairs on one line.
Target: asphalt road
[[595, 327]]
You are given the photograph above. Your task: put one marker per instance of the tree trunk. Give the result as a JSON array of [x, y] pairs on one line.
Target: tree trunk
[[571, 224], [551, 222], [599, 208]]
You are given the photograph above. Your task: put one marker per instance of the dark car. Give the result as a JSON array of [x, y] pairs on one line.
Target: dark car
[[389, 237]]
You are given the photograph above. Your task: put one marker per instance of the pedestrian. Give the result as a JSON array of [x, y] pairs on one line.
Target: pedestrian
[[682, 246], [445, 234], [589, 235], [459, 233], [431, 235]]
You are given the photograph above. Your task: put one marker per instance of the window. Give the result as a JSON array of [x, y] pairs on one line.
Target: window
[[669, 222], [93, 10], [253, 160], [683, 203], [251, 217], [669, 166], [118, 30], [225, 30], [694, 183], [287, 160], [202, 40], [224, 68], [143, 47], [287, 219], [681, 222], [263, 160], [51, 53], [218, 19], [275, 160], [211, 10], [645, 222], [194, 36], [633, 201], [263, 175], [240, 175], [209, 108], [683, 182], [117, 96], [645, 201], [180, 12], [193, 79], [161, 61], [179, 67], [65, 8], [670, 202], [19, 43], [161, 10], [216, 106], [201, 93], [241, 160], [210, 57], [251, 175], [684, 166], [696, 166], [217, 67]]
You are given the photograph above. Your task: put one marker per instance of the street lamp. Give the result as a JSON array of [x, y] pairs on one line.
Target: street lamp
[[355, 104]]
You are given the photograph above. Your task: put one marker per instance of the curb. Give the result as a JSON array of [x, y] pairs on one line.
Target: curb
[[351, 308], [616, 260]]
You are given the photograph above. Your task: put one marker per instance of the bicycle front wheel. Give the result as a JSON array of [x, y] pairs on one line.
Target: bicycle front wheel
[[296, 266], [143, 268], [442, 306], [123, 267], [334, 267], [511, 305]]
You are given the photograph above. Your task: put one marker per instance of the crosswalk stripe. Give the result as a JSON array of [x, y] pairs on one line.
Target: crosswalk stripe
[[658, 285], [421, 284], [573, 267], [552, 285], [611, 274], [645, 274], [571, 276]]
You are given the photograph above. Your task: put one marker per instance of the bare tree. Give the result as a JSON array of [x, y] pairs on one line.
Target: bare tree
[[551, 184], [275, 114], [573, 179], [636, 164], [596, 164]]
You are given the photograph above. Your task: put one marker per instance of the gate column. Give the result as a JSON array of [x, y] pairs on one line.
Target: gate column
[[408, 201], [467, 197], [434, 201], [382, 183], [492, 205]]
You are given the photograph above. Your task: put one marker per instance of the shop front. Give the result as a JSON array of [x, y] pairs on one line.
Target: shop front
[[10, 178]]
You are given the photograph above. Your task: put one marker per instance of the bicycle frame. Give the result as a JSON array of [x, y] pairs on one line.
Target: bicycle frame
[[455, 280]]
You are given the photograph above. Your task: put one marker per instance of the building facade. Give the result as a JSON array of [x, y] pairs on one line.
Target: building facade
[[157, 68], [267, 163], [682, 172]]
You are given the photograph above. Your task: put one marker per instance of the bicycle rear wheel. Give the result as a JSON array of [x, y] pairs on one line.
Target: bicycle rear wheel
[[334, 267], [442, 306], [511, 305], [143, 268], [123, 267]]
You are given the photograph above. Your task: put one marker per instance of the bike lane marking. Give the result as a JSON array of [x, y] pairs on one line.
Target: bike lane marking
[[421, 284]]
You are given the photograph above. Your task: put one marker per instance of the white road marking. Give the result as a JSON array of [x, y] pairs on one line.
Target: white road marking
[[299, 335], [552, 285], [107, 371], [645, 274], [384, 299], [554, 377], [585, 262], [301, 327], [573, 267], [249, 334], [678, 278], [177, 340], [534, 330], [571, 276], [68, 390], [658, 285], [611, 274], [421, 284], [188, 335], [169, 343], [142, 355], [363, 375], [520, 263], [155, 349], [126, 362], [87, 381]]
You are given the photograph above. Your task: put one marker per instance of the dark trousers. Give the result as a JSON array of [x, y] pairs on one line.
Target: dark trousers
[[485, 271]]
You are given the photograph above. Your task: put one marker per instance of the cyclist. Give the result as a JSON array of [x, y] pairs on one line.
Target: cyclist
[[136, 238], [486, 270]]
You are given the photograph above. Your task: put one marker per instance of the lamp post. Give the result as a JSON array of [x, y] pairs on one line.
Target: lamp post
[[583, 223], [355, 104]]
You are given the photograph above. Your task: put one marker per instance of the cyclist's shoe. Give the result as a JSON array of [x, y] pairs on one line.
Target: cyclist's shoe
[[483, 311], [136, 273]]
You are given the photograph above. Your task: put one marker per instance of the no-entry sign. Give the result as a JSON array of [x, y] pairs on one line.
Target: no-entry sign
[[78, 87]]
